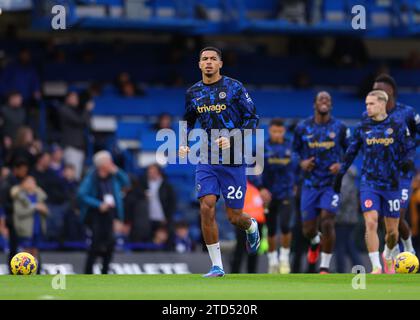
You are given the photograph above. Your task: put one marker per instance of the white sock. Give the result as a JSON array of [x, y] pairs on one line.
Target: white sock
[[395, 251], [215, 254], [316, 239], [325, 260], [374, 259], [284, 254], [408, 244], [388, 252], [273, 258], [252, 227]]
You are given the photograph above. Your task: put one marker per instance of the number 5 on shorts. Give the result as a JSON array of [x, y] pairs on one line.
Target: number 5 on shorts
[[234, 194], [404, 194]]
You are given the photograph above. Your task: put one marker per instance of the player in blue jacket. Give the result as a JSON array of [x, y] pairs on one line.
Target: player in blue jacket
[[277, 190], [320, 142], [383, 142], [220, 102], [409, 115]]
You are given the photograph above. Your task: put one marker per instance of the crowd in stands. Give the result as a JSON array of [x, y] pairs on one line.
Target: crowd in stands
[[43, 176]]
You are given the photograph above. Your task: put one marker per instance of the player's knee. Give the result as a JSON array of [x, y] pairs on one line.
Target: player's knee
[[309, 232], [402, 224], [207, 214], [207, 205], [234, 215], [392, 235], [327, 225], [233, 219], [371, 225]]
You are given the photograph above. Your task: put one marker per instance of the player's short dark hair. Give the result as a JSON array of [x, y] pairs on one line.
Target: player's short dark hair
[[278, 122], [317, 95], [218, 51], [386, 78]]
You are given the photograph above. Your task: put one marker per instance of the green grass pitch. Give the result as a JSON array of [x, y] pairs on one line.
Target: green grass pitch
[[194, 287]]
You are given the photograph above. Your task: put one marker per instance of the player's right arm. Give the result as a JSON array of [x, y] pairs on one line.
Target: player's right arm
[[356, 142], [190, 116], [351, 153]]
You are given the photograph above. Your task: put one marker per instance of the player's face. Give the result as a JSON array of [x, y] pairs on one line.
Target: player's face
[[384, 87], [374, 106], [210, 63], [323, 103], [277, 133]]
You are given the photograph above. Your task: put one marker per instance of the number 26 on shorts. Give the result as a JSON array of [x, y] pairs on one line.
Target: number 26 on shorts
[[234, 193]]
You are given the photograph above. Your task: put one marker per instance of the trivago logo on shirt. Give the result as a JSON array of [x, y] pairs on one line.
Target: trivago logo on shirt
[[321, 144], [282, 161], [385, 141], [211, 108]]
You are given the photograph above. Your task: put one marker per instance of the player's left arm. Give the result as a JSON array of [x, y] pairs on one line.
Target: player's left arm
[[405, 147], [250, 118], [414, 121]]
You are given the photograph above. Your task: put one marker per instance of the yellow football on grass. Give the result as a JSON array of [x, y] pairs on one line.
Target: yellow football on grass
[[406, 262], [23, 263]]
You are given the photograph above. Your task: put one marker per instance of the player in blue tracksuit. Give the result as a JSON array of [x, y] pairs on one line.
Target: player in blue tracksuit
[[407, 114], [277, 190], [220, 102], [320, 141], [383, 141]]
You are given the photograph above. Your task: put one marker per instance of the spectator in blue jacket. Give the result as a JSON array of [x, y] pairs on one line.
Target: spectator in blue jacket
[[101, 201]]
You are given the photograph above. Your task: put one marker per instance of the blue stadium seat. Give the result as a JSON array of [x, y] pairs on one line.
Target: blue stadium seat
[[128, 130], [148, 141]]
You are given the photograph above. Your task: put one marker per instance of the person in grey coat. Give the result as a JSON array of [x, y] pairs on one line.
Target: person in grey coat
[[74, 126], [14, 116], [346, 222]]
